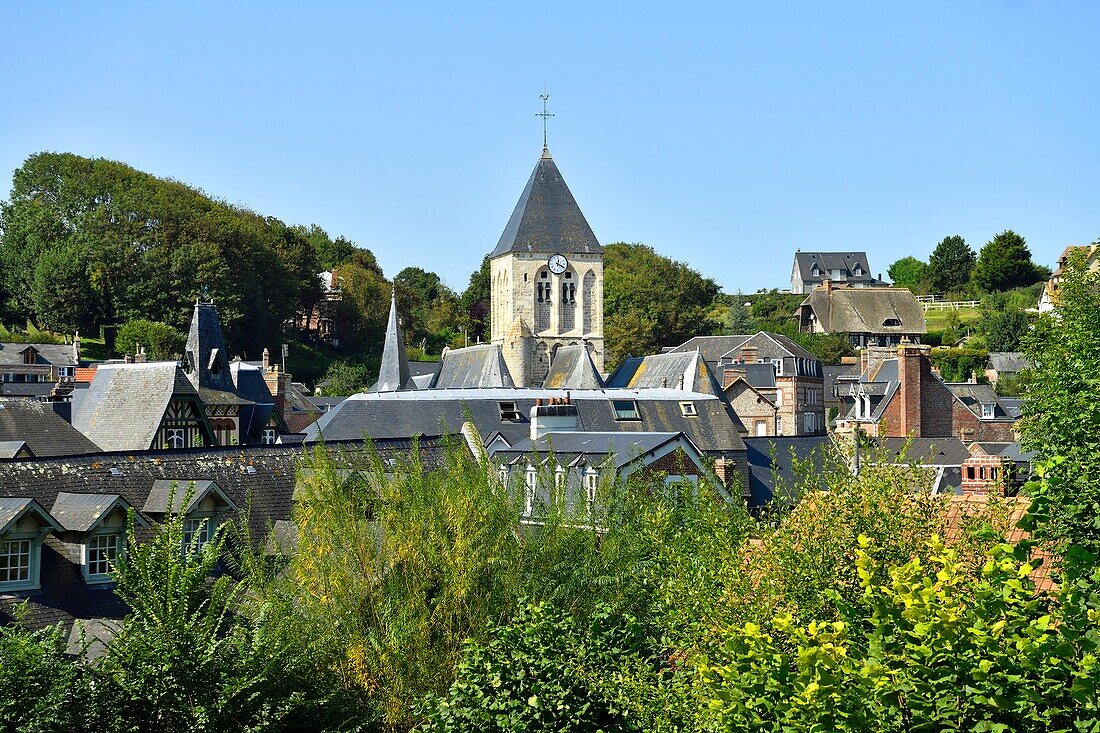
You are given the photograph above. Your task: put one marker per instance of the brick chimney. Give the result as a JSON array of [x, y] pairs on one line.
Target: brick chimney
[[278, 383], [731, 374], [827, 285], [870, 357], [912, 364], [749, 355]]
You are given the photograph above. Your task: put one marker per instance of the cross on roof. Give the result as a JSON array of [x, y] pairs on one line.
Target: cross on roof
[[544, 115]]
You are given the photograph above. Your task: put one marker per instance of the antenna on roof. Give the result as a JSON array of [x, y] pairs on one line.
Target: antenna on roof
[[545, 116]]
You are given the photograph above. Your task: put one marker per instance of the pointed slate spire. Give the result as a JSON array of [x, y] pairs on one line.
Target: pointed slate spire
[[546, 218], [394, 373], [206, 362]]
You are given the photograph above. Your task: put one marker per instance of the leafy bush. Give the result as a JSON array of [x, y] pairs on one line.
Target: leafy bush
[[159, 340], [928, 649], [41, 689], [543, 671]]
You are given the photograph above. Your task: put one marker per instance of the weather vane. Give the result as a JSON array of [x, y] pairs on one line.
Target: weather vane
[[545, 116]]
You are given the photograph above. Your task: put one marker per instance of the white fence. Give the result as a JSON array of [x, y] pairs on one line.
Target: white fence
[[949, 305]]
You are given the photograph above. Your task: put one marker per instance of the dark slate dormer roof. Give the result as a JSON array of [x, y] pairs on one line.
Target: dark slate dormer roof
[[82, 512], [573, 368], [13, 507], [123, 406], [546, 218], [169, 494], [478, 366], [846, 262], [44, 432], [973, 396], [206, 363], [393, 375]]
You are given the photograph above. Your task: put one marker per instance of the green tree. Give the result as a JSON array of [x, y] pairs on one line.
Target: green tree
[[908, 272], [347, 378], [950, 265], [60, 291], [1005, 263], [651, 300], [740, 319], [41, 688], [159, 340], [476, 300], [1004, 329], [1062, 411]]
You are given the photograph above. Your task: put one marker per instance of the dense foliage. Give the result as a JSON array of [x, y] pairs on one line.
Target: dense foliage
[[1062, 411], [1005, 263], [909, 272], [950, 264], [651, 301], [159, 340]]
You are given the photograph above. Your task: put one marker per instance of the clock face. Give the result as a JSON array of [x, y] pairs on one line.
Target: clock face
[[558, 264]]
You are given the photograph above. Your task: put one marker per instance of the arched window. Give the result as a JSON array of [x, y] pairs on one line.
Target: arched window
[[544, 295], [568, 302], [588, 302]]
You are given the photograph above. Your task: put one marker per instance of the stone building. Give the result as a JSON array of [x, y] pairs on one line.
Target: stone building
[[546, 279]]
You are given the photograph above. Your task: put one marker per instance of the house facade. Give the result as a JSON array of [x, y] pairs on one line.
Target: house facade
[[811, 269], [22, 363], [870, 316]]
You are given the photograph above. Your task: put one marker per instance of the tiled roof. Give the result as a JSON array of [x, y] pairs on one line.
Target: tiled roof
[[81, 512], [846, 262], [45, 432], [712, 347], [546, 218], [771, 463], [1010, 362], [973, 396]]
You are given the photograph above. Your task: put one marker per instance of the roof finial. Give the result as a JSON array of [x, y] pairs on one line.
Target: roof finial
[[545, 116]]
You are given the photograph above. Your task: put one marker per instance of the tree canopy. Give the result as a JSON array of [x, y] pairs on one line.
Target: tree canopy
[[950, 265], [908, 272], [651, 301], [1005, 263]]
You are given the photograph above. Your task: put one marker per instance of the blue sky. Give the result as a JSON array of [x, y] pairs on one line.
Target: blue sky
[[725, 135]]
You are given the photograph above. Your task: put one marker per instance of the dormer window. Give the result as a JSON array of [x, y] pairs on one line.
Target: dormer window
[[96, 522], [625, 409], [858, 270], [30, 356], [988, 411], [891, 323], [24, 523], [207, 505], [688, 409]]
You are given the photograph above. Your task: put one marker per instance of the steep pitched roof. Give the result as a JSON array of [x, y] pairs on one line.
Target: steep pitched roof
[[1009, 362], [846, 262], [973, 396], [546, 218], [82, 512], [711, 347], [866, 310], [573, 368], [394, 372], [478, 366], [123, 406], [207, 363], [686, 370], [44, 432]]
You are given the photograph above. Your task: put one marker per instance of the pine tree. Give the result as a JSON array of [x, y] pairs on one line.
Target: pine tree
[[1005, 263], [950, 264]]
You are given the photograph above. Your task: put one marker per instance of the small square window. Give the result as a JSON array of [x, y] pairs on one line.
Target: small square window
[[196, 531], [988, 411], [687, 409], [625, 409]]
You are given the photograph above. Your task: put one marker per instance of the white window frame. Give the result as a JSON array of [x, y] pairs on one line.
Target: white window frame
[[90, 556], [778, 424], [180, 433], [269, 436], [988, 411], [530, 484], [198, 522], [688, 409], [33, 554], [591, 483], [622, 415]]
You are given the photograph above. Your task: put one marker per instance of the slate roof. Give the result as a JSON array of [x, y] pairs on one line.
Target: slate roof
[[573, 368], [45, 432], [973, 396], [55, 354], [844, 261], [267, 490], [771, 346], [864, 310], [123, 406], [442, 411], [832, 373], [168, 494], [258, 403], [546, 218], [206, 362], [393, 374], [946, 451], [1008, 362], [81, 512], [12, 448], [711, 347], [771, 466], [687, 371], [1014, 406], [477, 366], [13, 507]]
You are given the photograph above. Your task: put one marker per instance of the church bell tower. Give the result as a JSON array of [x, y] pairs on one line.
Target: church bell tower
[[546, 278]]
